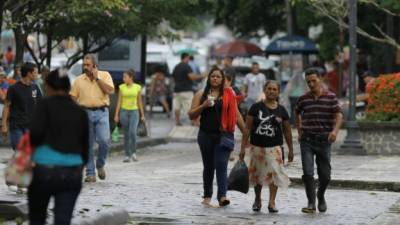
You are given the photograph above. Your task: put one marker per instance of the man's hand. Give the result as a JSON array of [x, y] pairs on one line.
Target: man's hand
[[332, 136], [116, 118], [95, 73], [4, 130]]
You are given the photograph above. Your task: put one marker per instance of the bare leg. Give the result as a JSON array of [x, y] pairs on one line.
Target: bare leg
[[272, 195], [257, 201], [166, 106], [178, 118]]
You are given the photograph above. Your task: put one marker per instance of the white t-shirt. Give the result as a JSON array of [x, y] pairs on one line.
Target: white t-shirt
[[255, 85]]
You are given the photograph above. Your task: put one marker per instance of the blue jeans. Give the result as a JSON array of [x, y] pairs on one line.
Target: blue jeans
[[129, 122], [322, 151], [15, 136], [214, 158], [99, 131]]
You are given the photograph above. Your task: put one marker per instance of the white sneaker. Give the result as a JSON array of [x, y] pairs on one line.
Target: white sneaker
[[134, 158], [127, 159]]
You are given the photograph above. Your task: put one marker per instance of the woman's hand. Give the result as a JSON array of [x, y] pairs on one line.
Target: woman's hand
[[207, 103], [142, 118], [242, 153], [116, 118]]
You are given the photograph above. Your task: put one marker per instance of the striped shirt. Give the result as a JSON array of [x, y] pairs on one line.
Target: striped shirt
[[318, 113]]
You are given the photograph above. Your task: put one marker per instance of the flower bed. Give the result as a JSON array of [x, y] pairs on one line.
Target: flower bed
[[384, 98]]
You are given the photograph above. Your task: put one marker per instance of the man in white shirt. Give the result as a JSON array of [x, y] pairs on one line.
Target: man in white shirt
[[253, 85]]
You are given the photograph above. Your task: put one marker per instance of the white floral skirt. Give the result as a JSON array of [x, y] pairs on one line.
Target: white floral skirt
[[266, 167]]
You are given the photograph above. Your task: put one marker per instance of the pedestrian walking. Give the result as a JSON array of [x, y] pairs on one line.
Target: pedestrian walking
[[20, 103], [267, 122], [183, 91], [159, 91], [318, 120], [216, 106], [253, 85], [229, 70], [129, 109], [91, 90], [59, 134]]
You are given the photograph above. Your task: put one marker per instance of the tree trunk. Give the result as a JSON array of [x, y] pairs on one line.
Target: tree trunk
[[20, 39], [1, 15], [85, 45], [49, 45]]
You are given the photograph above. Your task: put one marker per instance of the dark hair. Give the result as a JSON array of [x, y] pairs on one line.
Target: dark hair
[[45, 68], [58, 80], [255, 63], [184, 55], [131, 73], [208, 84], [26, 68], [311, 71], [228, 77], [91, 58], [191, 57], [229, 57]]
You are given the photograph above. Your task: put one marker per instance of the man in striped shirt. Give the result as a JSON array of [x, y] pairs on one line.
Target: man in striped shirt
[[318, 120]]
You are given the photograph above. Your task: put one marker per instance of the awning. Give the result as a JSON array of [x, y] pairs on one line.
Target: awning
[[293, 43]]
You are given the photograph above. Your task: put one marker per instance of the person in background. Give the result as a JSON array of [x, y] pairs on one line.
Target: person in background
[[41, 80], [158, 91], [216, 106], [91, 90], [253, 85], [318, 121], [183, 91], [267, 122], [196, 70], [9, 57], [369, 81], [19, 105], [229, 70], [3, 85], [129, 109], [59, 134]]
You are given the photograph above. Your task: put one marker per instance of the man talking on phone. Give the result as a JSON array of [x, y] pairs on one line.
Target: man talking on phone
[[91, 90]]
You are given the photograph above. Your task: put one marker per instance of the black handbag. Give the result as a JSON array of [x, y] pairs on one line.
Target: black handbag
[[142, 129]]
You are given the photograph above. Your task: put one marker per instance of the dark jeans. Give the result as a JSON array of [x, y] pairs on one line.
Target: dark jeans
[[311, 146], [62, 183], [15, 136], [216, 159]]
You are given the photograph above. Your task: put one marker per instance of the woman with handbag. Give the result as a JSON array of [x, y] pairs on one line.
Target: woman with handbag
[[267, 122], [129, 108], [59, 135], [216, 106]]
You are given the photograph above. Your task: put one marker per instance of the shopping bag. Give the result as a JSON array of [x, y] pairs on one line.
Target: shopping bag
[[142, 129], [19, 169], [115, 134], [238, 179]]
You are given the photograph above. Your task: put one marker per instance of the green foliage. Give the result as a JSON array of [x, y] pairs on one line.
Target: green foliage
[[246, 17]]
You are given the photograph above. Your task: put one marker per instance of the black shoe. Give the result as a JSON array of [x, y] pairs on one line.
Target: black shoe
[[309, 209], [224, 202], [322, 207], [272, 209]]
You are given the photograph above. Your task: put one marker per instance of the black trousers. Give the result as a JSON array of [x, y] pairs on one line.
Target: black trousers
[[62, 183]]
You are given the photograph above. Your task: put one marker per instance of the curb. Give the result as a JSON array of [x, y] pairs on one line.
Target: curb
[[110, 217], [146, 142], [358, 184]]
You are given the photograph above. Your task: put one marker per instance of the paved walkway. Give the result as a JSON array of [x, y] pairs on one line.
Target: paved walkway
[[165, 185]]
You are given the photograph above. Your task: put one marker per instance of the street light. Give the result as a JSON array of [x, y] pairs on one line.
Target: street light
[[352, 143]]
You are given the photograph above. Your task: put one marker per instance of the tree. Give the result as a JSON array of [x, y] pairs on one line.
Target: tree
[[246, 17]]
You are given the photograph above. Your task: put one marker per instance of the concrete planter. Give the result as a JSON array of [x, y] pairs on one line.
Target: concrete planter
[[380, 138]]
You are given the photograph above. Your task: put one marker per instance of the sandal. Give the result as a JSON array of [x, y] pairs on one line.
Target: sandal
[[224, 202], [257, 207]]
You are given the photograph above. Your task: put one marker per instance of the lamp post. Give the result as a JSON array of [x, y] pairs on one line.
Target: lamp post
[[352, 143]]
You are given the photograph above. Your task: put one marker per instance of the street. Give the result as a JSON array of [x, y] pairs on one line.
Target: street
[[166, 184]]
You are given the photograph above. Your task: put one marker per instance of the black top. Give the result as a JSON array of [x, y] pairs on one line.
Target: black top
[[62, 124], [23, 99], [210, 120], [267, 125], [181, 77]]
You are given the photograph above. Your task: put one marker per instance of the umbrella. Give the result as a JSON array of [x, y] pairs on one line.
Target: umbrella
[[237, 48], [190, 51], [292, 43]]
